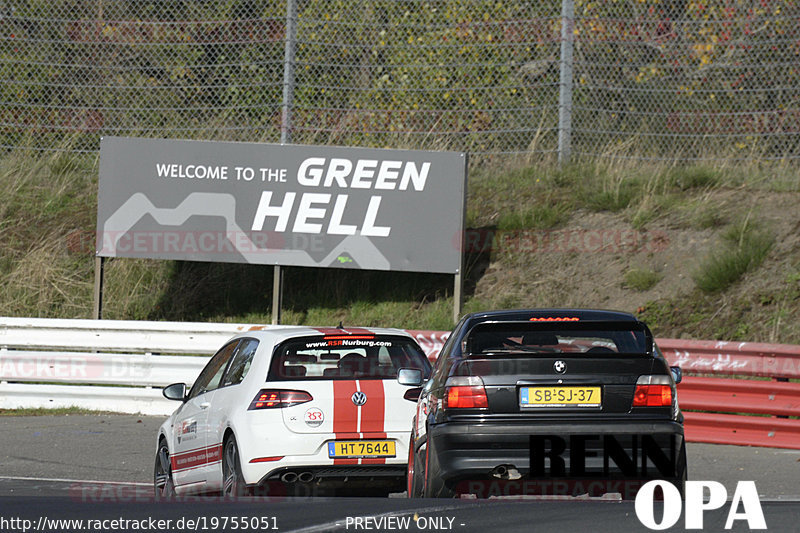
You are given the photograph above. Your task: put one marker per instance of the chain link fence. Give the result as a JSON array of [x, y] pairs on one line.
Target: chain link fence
[[642, 79]]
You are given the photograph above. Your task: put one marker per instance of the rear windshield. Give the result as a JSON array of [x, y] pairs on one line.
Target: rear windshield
[[586, 338], [358, 357]]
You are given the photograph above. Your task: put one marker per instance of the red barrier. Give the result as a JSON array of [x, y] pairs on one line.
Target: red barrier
[[740, 396], [742, 430], [732, 358], [749, 396], [431, 342]]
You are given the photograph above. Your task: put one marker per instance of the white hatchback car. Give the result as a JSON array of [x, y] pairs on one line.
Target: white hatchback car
[[294, 411]]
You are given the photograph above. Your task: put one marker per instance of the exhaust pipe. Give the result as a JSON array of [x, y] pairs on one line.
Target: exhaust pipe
[[500, 471], [506, 472], [289, 477], [305, 477]]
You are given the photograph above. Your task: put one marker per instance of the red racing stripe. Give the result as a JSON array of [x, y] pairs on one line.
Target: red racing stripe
[[196, 458], [373, 416], [214, 454], [345, 414]]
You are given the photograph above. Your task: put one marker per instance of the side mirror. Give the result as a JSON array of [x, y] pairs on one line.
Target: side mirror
[[176, 391], [677, 374], [409, 376], [413, 394]]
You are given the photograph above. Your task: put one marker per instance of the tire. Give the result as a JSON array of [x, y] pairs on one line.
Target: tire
[[683, 471], [416, 472], [435, 486], [233, 485], [162, 473]]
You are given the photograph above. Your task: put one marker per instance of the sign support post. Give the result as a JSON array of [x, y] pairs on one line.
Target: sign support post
[[97, 311], [458, 281], [458, 297], [277, 294]]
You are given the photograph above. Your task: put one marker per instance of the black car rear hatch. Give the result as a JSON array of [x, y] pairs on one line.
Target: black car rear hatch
[[565, 369]]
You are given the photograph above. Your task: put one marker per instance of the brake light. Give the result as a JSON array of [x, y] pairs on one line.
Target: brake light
[[278, 399], [465, 393], [347, 337], [652, 391]]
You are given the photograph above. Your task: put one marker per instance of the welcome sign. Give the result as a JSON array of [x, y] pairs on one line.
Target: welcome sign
[[287, 205]]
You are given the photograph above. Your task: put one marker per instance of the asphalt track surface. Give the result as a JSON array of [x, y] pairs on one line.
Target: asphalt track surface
[[100, 467]]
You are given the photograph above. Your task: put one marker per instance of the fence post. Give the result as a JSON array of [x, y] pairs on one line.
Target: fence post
[[286, 131], [565, 81], [288, 71]]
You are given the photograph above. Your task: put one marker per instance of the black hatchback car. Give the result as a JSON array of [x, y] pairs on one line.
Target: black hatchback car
[[547, 402]]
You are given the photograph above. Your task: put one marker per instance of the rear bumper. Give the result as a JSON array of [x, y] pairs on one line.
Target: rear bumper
[[318, 467], [390, 474], [357, 480], [549, 451]]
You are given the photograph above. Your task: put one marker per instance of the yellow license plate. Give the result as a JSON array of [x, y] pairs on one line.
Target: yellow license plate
[[559, 397], [361, 448]]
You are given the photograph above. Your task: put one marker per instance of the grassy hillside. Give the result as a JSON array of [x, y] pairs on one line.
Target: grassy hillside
[[697, 251]]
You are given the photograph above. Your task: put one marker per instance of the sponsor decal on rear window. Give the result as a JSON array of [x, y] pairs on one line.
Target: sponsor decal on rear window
[[348, 342], [343, 356]]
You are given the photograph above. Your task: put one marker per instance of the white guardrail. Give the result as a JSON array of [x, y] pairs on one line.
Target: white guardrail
[[111, 365]]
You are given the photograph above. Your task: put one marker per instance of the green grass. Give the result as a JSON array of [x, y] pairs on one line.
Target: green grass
[[687, 178], [533, 217], [641, 279], [744, 248], [610, 194], [701, 214]]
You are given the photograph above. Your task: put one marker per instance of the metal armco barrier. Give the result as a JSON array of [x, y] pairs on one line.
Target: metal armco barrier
[[740, 396], [748, 396], [431, 342], [62, 363], [733, 358], [742, 430]]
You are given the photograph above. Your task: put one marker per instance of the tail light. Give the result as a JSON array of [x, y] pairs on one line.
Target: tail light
[[465, 392], [278, 399], [653, 391]]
